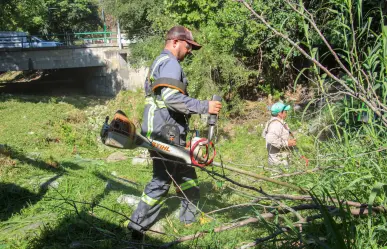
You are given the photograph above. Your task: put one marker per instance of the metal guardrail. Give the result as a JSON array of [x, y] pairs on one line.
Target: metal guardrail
[[58, 40]]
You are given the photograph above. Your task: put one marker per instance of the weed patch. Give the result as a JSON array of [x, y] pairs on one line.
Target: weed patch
[[58, 189]]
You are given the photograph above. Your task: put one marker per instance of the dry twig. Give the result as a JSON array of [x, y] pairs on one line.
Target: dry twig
[[332, 209]]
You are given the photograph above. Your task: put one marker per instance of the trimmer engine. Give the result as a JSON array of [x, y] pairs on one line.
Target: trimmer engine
[[120, 133]]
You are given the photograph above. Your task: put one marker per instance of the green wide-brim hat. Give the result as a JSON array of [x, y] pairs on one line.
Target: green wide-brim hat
[[279, 107]]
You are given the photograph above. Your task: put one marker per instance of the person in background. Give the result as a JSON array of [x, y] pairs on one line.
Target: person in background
[[277, 135]]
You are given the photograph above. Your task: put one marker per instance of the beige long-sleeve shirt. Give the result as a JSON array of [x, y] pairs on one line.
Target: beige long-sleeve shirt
[[277, 134]]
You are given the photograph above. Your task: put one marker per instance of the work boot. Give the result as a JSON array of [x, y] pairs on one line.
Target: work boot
[[137, 235]]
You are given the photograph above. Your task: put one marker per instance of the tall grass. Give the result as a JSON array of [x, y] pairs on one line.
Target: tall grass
[[359, 146]]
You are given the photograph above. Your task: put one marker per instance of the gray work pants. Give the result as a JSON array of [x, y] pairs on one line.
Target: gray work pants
[[156, 190]]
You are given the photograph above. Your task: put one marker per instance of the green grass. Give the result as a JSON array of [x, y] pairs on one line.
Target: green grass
[[58, 190]]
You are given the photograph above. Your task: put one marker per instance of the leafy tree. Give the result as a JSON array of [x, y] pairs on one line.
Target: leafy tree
[[21, 15], [50, 16], [72, 16], [237, 53], [241, 57], [134, 15], [7, 10]]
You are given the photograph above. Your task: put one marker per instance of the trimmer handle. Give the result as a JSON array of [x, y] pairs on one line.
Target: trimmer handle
[[214, 117], [212, 120], [104, 129]]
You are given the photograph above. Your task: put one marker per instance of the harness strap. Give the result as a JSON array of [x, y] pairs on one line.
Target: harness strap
[[266, 130], [151, 98], [171, 83], [155, 104]]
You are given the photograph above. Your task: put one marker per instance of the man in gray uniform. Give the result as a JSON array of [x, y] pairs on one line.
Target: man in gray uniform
[[168, 106]]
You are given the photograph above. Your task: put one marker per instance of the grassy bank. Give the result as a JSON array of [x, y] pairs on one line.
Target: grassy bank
[[60, 190]]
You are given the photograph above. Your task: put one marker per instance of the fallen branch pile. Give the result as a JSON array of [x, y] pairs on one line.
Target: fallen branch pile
[[334, 211]]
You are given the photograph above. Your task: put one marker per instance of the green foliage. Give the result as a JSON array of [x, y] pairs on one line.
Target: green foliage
[[268, 89], [135, 15], [238, 57], [72, 16], [145, 52], [356, 32], [341, 232], [51, 16], [58, 140], [13, 15], [228, 61]]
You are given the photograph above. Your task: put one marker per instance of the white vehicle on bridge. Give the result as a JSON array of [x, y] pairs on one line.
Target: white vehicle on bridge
[[125, 41], [15, 39], [39, 43]]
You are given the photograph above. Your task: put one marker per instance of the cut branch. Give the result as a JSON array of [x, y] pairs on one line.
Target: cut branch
[[380, 209], [260, 177], [301, 172], [265, 216], [264, 239]]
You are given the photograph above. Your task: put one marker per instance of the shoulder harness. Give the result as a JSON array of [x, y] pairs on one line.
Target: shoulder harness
[[266, 129], [171, 83], [165, 82]]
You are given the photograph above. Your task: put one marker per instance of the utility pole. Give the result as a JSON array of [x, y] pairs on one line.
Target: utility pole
[[119, 34], [103, 20], [118, 31]]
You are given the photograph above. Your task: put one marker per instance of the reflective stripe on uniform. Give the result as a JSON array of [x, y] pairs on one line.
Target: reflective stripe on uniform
[[157, 63], [168, 92], [153, 102], [189, 184], [150, 201], [158, 103], [151, 115]]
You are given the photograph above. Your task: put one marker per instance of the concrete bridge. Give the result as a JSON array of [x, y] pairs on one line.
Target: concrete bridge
[[106, 70]]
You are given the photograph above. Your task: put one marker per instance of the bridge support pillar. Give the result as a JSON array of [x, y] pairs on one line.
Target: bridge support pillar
[[117, 75], [98, 82]]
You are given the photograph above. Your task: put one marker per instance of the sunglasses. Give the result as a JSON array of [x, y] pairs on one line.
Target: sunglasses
[[188, 46]]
